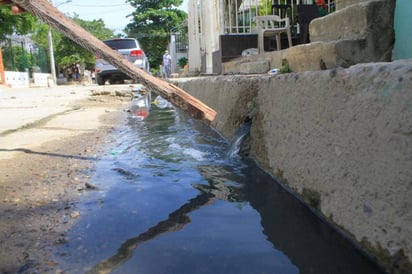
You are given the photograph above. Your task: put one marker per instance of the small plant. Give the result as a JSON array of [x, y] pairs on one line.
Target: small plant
[[285, 67], [182, 62], [312, 197]]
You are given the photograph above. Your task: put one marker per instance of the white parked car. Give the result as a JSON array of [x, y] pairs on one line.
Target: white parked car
[[130, 49]]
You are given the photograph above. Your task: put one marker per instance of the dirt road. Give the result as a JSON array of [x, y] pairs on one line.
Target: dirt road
[[49, 141]]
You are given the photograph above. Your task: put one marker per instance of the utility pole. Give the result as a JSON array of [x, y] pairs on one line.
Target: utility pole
[[51, 51]]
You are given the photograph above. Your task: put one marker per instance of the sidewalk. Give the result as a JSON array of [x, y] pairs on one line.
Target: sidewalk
[[33, 116], [22, 106]]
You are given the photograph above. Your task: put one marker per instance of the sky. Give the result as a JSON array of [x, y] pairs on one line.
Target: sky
[[113, 12]]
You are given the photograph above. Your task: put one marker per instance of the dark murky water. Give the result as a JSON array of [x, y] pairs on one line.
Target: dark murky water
[[170, 201]]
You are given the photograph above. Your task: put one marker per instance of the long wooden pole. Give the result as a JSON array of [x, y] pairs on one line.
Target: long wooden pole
[[178, 97]]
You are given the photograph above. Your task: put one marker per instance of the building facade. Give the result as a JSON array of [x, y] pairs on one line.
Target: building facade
[[209, 20]]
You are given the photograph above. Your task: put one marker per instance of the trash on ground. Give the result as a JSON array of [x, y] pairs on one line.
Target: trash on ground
[[273, 71], [162, 103]]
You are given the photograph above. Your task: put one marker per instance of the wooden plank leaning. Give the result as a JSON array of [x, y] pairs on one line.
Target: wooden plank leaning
[[178, 97]]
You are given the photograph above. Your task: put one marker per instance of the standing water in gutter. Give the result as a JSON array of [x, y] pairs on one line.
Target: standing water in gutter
[[171, 201]]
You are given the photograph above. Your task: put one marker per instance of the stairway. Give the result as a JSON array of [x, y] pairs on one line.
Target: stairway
[[360, 32]]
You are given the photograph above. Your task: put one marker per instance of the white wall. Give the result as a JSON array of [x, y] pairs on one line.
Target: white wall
[[41, 79], [194, 37], [210, 24], [17, 79]]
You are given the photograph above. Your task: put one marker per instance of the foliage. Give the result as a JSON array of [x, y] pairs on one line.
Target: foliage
[[265, 7], [16, 59], [285, 67], [312, 197], [68, 52], [182, 62], [10, 23], [68, 60], [151, 24], [39, 34]]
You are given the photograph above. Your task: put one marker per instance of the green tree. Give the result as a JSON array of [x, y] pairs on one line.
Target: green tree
[[39, 34], [265, 7], [151, 24], [10, 23], [66, 51], [12, 56]]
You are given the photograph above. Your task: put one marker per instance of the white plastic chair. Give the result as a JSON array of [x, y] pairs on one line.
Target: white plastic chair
[[272, 25]]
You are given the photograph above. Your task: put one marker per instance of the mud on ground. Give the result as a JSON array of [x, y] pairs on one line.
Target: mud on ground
[[40, 182]]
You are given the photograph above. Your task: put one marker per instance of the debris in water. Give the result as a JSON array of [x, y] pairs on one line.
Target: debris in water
[[116, 152], [162, 103], [75, 214], [90, 186]]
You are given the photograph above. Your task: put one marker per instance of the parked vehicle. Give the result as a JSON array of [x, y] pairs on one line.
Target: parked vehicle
[[130, 49]]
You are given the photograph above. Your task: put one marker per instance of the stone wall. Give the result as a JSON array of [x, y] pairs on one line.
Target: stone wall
[[341, 139], [363, 32]]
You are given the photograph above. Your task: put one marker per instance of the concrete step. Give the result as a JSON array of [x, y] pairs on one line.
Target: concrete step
[[359, 33], [311, 57], [373, 18], [246, 66], [341, 4]]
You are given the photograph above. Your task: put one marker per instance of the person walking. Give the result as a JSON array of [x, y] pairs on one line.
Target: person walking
[[167, 64]]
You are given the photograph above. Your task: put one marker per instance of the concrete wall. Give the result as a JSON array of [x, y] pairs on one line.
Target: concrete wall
[[17, 79], [363, 32], [341, 4], [41, 79], [342, 139], [194, 37]]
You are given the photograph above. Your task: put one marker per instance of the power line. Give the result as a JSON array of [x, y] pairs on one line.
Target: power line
[[100, 6], [102, 12]]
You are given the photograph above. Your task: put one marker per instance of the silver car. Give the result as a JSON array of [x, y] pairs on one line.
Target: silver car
[[130, 49]]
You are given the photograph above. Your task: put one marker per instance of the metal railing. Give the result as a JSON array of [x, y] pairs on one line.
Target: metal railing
[[181, 42], [239, 18]]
